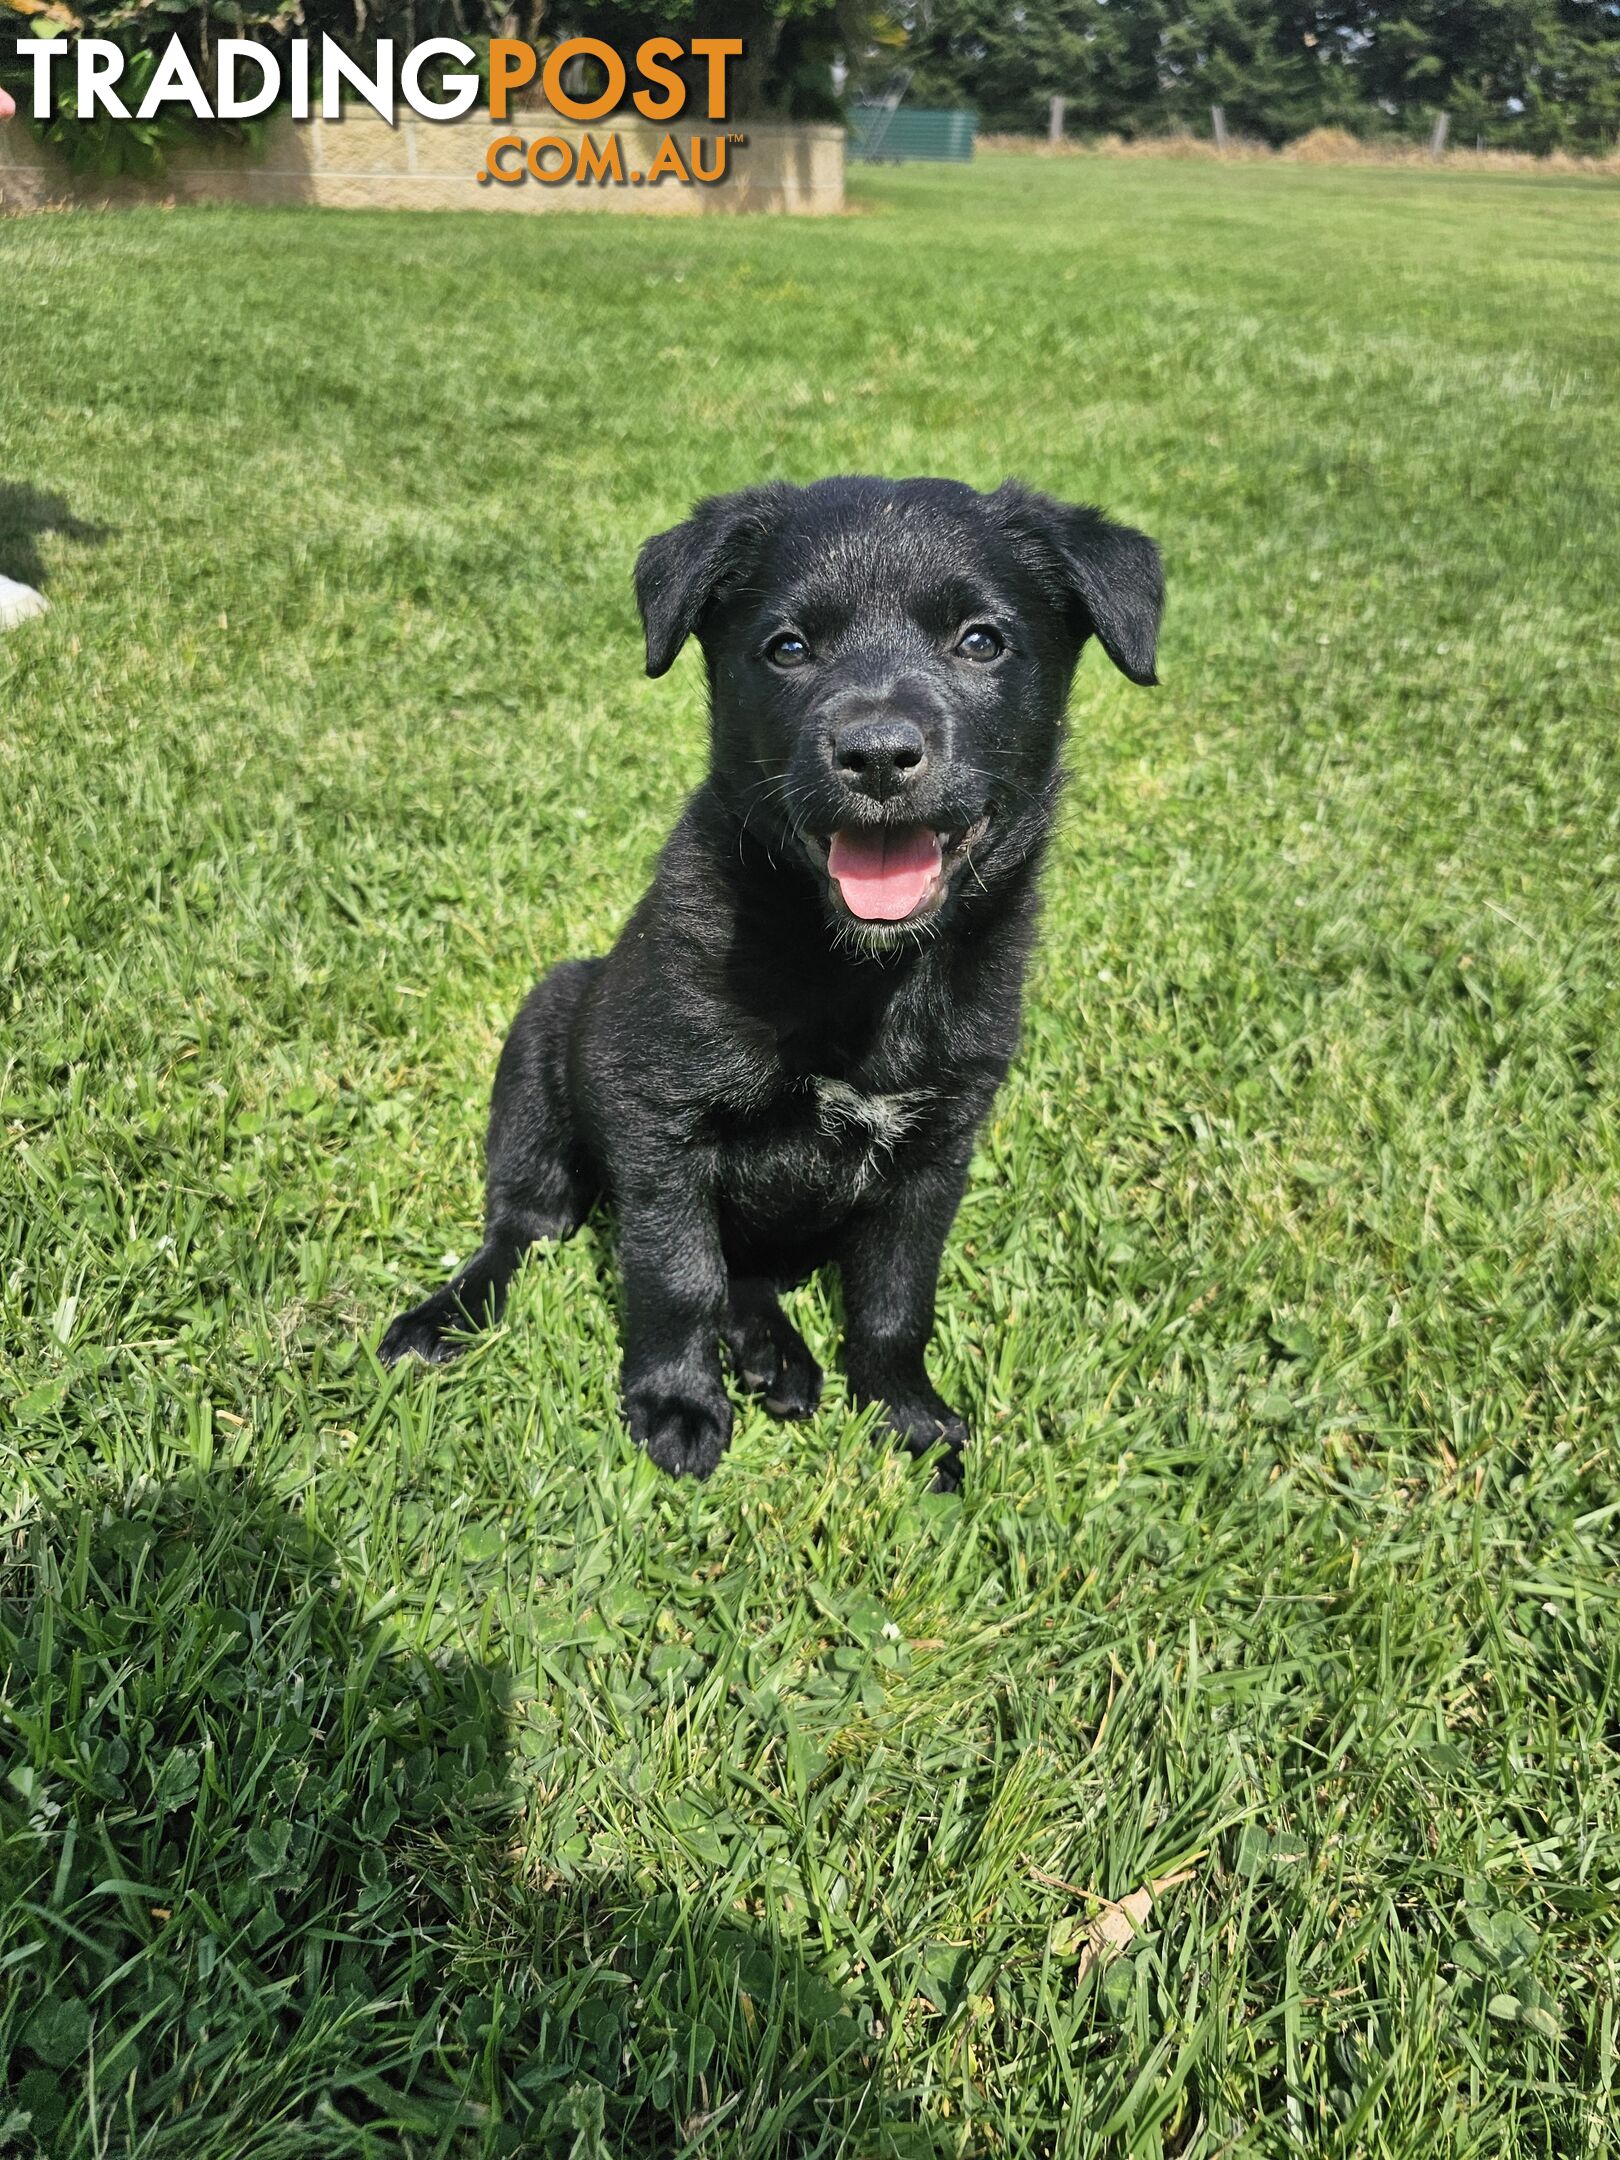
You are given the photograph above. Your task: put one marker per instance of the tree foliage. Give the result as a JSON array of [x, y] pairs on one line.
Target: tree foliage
[[1538, 74]]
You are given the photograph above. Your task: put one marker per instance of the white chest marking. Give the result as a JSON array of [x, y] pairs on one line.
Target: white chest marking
[[885, 1119]]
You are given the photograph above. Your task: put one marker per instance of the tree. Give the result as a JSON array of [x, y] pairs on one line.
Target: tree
[[1007, 65], [1536, 72], [1540, 73], [1276, 68]]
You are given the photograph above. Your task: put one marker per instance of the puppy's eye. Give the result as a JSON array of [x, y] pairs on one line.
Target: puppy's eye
[[788, 650], [980, 643]]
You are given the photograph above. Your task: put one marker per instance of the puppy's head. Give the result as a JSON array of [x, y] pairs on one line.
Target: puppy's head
[[889, 663]]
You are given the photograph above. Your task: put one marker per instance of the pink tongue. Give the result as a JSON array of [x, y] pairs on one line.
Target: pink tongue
[[884, 872]]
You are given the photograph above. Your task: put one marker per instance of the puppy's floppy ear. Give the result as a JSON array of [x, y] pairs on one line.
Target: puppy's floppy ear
[[679, 572], [1110, 575]]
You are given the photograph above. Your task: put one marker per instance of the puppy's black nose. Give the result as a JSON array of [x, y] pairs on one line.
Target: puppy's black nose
[[880, 756]]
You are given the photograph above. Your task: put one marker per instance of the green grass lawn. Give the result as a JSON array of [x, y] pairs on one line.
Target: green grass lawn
[[398, 1765]]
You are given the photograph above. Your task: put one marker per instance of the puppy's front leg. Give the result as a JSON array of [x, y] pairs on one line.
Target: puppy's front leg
[[890, 1265], [675, 1294]]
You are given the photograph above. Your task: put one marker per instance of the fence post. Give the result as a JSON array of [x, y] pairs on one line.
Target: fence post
[[1054, 121], [1217, 120], [1437, 137]]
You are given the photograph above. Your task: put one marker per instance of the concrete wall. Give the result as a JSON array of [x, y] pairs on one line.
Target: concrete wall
[[360, 163]]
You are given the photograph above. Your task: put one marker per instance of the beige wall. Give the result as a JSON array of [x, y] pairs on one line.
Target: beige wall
[[360, 163]]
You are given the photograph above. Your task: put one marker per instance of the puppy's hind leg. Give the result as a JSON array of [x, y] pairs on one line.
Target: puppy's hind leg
[[768, 1354], [472, 1298], [540, 1183]]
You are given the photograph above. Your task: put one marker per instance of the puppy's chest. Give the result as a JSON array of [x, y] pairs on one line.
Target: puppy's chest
[[820, 1144]]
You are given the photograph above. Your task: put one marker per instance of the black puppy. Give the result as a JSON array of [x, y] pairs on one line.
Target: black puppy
[[786, 1056]]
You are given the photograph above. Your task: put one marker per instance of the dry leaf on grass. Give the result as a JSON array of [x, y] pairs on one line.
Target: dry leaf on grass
[[1114, 1925]]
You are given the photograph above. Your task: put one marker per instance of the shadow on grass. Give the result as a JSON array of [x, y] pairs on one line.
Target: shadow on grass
[[26, 513], [260, 1890]]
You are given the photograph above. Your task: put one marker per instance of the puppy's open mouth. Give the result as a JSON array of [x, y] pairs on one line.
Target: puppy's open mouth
[[894, 873]]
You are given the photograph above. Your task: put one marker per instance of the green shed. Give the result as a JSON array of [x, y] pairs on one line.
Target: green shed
[[884, 134]]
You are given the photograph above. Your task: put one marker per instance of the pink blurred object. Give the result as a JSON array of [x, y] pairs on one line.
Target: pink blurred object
[[7, 107]]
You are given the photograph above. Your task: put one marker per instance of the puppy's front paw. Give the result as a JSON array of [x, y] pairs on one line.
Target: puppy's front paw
[[684, 1431], [425, 1332]]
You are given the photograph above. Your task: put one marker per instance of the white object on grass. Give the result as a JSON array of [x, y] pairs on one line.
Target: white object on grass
[[18, 602]]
